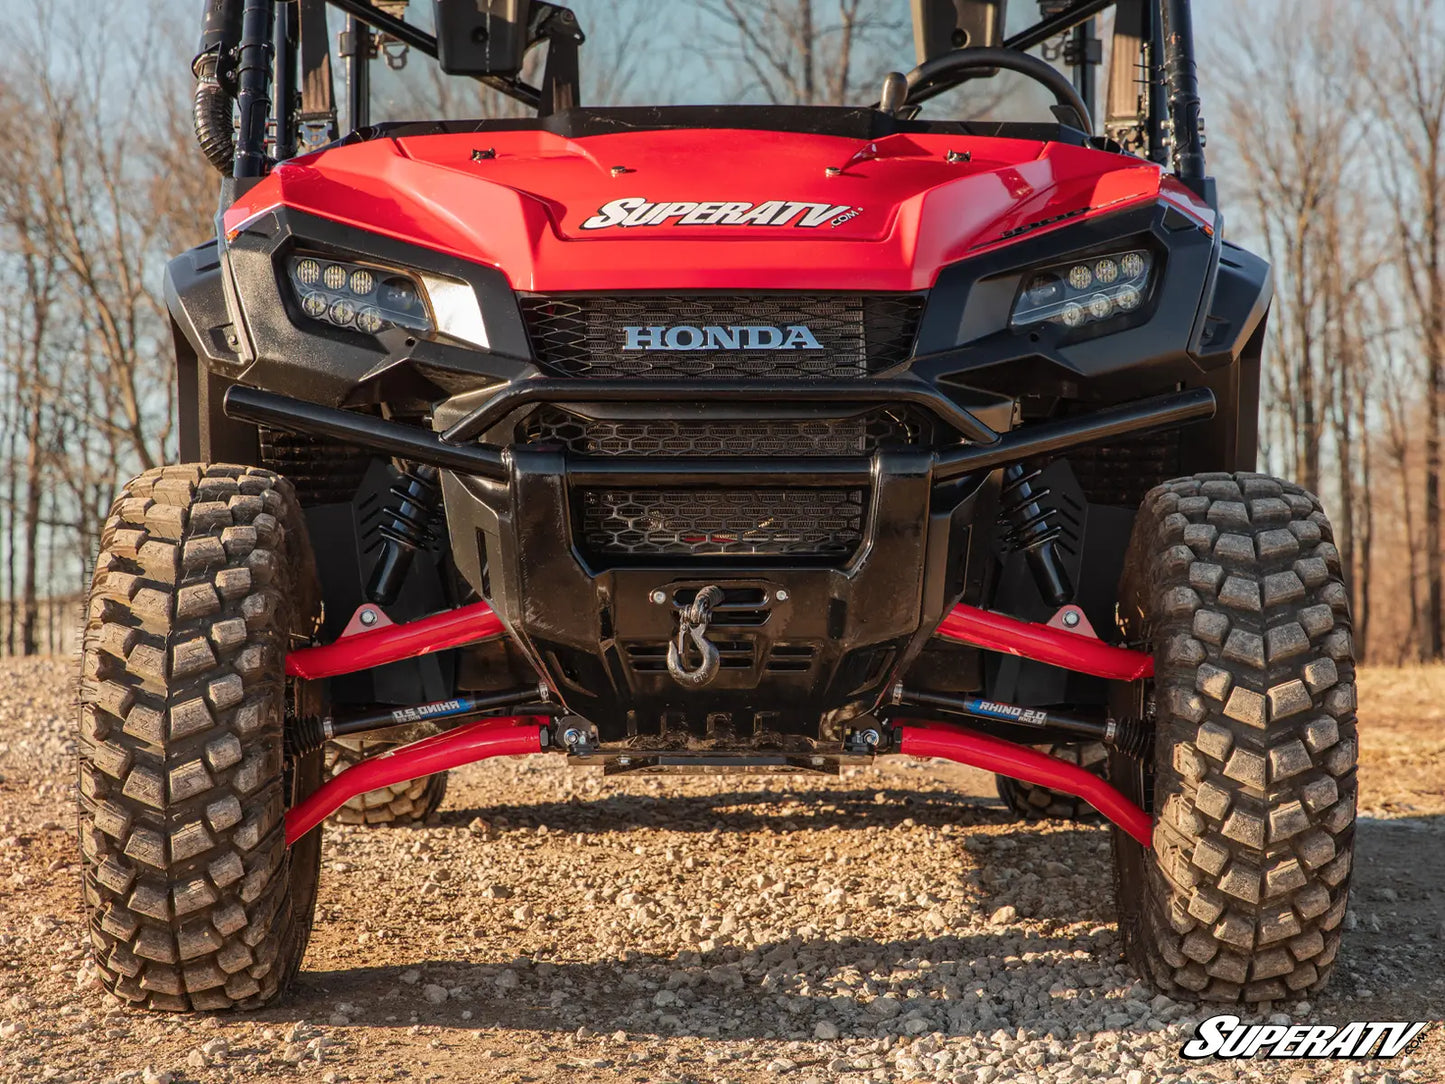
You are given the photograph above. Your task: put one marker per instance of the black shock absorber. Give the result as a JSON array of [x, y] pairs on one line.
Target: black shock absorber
[[1034, 529], [417, 494]]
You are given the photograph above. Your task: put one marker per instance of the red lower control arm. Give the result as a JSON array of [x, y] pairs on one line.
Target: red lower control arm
[[1020, 762]]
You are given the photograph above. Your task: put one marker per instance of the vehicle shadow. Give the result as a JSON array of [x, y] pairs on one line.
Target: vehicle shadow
[[726, 993], [744, 811]]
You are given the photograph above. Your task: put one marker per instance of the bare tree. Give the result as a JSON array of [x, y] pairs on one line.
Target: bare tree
[[37, 291], [1291, 106], [1413, 36], [93, 196], [796, 54]]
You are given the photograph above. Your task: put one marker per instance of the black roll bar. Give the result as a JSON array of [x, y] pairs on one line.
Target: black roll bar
[[253, 82], [1183, 81]]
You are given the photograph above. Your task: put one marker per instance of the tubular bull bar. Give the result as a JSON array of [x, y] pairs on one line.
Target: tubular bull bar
[[521, 735], [458, 450]]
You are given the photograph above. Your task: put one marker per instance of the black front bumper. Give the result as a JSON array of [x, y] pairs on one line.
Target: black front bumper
[[806, 644]]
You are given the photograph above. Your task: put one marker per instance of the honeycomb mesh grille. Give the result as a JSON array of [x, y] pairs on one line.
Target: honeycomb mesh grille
[[861, 435], [714, 523], [859, 334]]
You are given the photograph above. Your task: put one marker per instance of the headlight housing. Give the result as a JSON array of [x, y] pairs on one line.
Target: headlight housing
[[1085, 291]]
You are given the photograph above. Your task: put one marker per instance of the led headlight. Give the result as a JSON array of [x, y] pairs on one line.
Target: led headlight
[[1083, 292], [361, 298]]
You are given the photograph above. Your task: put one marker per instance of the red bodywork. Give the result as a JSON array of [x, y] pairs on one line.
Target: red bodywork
[[918, 206]]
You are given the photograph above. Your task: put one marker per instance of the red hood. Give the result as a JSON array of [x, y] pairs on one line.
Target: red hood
[[753, 209]]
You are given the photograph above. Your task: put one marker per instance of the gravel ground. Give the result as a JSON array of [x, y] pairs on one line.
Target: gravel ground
[[891, 924]]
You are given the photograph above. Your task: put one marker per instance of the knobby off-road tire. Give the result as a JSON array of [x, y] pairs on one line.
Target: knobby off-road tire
[[205, 576], [404, 804], [1035, 803], [1235, 581]]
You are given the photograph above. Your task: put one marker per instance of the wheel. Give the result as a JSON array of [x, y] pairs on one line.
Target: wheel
[[1235, 582], [204, 578], [1034, 803], [403, 804]]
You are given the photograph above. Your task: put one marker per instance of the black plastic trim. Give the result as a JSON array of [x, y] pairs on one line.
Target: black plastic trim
[[965, 335], [291, 355], [849, 122]]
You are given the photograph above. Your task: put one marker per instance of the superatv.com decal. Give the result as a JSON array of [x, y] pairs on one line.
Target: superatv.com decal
[[637, 211], [1227, 1036]]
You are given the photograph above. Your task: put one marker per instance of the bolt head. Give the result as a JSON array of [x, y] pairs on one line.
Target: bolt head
[[1071, 618], [571, 736], [871, 737], [658, 597], [782, 594], [368, 617]]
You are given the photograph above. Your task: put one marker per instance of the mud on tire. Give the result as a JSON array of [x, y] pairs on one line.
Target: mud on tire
[[193, 900], [406, 803], [1236, 582], [1035, 803]]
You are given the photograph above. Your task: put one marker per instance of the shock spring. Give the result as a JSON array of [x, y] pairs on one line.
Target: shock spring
[[1034, 529], [408, 529]]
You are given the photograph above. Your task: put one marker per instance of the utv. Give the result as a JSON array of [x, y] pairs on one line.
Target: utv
[[724, 438]]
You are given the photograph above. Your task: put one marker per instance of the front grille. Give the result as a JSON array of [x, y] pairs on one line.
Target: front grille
[[714, 523], [858, 334], [323, 471], [652, 658], [860, 435], [732, 655], [1120, 474]]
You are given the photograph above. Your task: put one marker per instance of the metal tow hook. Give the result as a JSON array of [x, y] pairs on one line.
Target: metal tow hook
[[692, 622]]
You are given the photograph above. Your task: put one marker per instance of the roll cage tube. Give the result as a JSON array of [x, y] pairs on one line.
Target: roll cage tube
[[985, 61], [257, 65], [1172, 96]]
